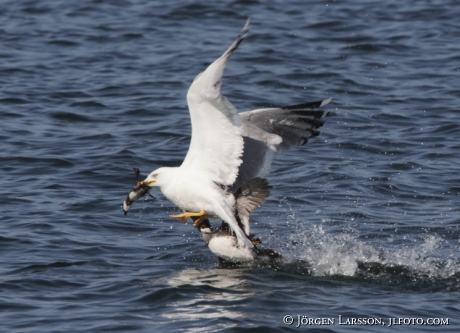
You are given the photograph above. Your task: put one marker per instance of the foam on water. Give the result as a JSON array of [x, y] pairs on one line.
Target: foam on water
[[348, 254]]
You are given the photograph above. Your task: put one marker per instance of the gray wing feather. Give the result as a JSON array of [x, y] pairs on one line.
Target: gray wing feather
[[295, 124], [257, 158], [274, 130]]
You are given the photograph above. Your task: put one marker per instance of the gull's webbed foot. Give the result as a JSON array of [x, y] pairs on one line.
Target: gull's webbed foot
[[185, 216]]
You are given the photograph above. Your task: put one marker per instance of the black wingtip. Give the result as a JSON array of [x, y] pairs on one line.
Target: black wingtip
[[307, 106], [238, 40]]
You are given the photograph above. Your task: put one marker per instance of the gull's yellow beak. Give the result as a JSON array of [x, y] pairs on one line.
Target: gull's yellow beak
[[149, 184]]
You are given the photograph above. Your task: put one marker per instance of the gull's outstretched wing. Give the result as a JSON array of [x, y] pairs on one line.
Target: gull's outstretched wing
[[217, 145], [273, 130]]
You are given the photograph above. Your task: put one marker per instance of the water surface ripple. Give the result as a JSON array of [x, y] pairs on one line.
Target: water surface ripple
[[366, 215]]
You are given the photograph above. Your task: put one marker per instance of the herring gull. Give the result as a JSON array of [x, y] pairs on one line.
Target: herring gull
[[228, 149]]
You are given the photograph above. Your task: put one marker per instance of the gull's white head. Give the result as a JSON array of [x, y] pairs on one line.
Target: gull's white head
[[155, 178]]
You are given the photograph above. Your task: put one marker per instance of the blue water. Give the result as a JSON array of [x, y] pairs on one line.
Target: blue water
[[366, 215]]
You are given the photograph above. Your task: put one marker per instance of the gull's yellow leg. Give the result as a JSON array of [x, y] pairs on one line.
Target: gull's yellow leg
[[185, 216]]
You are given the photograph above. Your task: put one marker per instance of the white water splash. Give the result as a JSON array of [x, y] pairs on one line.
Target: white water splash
[[329, 254], [340, 253]]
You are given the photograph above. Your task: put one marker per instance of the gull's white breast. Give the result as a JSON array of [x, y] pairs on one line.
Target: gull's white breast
[[193, 191]]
